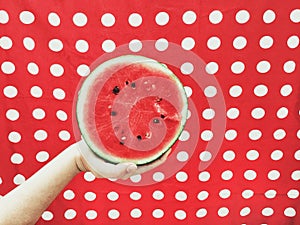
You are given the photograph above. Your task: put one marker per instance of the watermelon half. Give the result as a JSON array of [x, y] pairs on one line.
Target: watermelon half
[[131, 109]]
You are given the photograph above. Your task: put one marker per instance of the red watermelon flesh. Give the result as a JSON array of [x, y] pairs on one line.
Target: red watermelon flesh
[[131, 109]]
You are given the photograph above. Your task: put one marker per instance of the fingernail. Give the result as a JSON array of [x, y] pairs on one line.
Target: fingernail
[[131, 168]]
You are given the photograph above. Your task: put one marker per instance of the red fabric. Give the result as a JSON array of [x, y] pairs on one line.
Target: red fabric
[[281, 81]]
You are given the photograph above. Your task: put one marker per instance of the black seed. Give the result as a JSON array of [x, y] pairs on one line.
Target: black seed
[[133, 85], [121, 143], [126, 82], [113, 113], [139, 137], [158, 99], [162, 116], [156, 121], [116, 90]]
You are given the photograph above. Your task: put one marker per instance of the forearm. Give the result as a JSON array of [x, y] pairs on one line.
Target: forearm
[[26, 203]]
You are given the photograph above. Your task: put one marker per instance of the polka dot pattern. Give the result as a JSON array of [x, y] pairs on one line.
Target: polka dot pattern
[[46, 49]]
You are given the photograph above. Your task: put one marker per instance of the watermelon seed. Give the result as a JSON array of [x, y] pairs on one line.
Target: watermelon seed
[[139, 137], [116, 90], [158, 99], [121, 143], [156, 121], [113, 113], [162, 116], [126, 82], [133, 85]]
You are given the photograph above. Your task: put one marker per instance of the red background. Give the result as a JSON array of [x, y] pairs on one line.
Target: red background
[[21, 157]]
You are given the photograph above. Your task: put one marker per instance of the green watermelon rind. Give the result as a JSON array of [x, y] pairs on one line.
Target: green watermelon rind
[[82, 94]]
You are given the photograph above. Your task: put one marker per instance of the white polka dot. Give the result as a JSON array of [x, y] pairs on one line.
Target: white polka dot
[[80, 19], [206, 135], [247, 194], [229, 155], [202, 195], [242, 16], [295, 16], [239, 42], [19, 179], [187, 68], [16, 158], [273, 175], [53, 19], [297, 155], [269, 16], [201, 213], [28, 43], [158, 195], [293, 194], [108, 20], [135, 196], [227, 175], [212, 68], [158, 176], [279, 134], [82, 46], [61, 115], [225, 193], [42, 156], [263, 66], [252, 155], [40, 135], [215, 17], [108, 46], [4, 17], [210, 91], [188, 43], [162, 18], [135, 19], [282, 113], [8, 67], [10, 91], [293, 41], [47, 216], [270, 194], [286, 90], [181, 196], [255, 134], [260, 90], [55, 45], [204, 176], [88, 176], [135, 45], [70, 214], [237, 67], [230, 134], [296, 175], [135, 213], [161, 44], [59, 93], [5, 42], [83, 70], [223, 211], [289, 66], [14, 137], [36, 91], [213, 43], [266, 42], [69, 194], [12, 114], [113, 196], [250, 174], [181, 176], [180, 214], [235, 91], [91, 214], [27, 17], [158, 213], [184, 136], [258, 113], [233, 113], [33, 68], [90, 196], [290, 212], [189, 17], [113, 214], [64, 135], [205, 156], [56, 70], [245, 211], [136, 178], [208, 114], [267, 211], [276, 155]]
